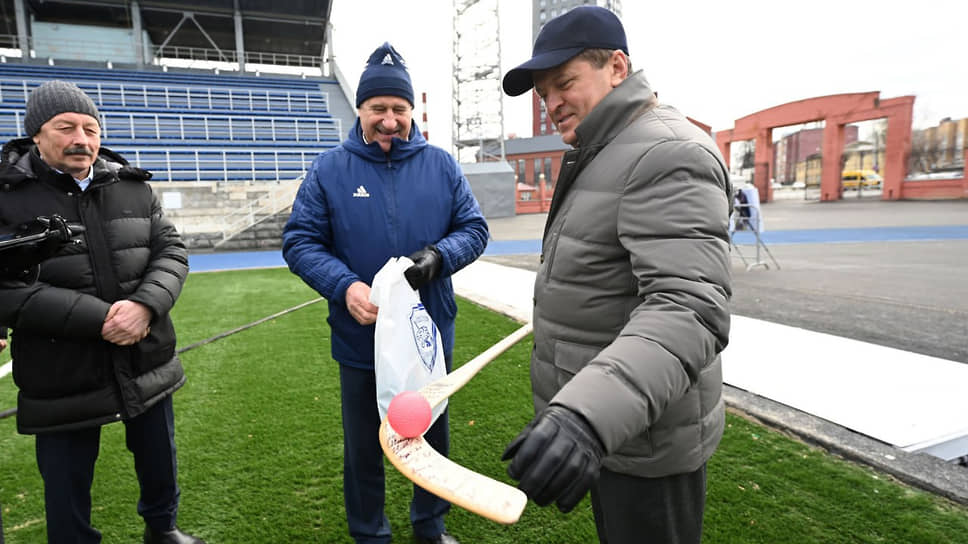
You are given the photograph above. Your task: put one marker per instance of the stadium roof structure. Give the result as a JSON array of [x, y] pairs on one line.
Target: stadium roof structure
[[291, 28]]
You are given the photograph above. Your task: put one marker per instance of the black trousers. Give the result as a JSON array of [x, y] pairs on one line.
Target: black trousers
[[667, 510], [66, 462]]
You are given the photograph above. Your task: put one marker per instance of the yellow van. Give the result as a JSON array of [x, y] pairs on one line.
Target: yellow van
[[868, 179]]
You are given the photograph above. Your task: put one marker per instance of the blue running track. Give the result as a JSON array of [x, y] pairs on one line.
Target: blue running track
[[205, 262]]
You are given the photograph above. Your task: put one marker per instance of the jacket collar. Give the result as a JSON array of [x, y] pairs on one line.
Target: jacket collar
[[19, 161], [399, 149], [620, 107]]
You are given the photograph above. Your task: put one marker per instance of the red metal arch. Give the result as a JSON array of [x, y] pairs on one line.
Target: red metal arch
[[836, 111]]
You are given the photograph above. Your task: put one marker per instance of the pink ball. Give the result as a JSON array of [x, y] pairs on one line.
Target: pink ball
[[409, 414]]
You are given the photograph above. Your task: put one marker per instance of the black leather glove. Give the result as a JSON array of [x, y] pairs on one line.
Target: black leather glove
[[557, 457], [32, 242], [426, 266]]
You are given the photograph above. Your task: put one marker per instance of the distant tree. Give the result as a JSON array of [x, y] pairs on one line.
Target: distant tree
[[748, 154], [924, 153]]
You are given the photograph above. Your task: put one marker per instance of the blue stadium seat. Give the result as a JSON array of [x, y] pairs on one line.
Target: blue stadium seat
[[194, 127]]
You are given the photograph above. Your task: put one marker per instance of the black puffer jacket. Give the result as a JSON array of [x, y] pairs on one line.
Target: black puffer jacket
[[68, 376]]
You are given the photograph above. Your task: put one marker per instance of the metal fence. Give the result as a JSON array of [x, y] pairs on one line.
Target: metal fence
[[220, 164], [14, 91], [86, 49], [197, 128]]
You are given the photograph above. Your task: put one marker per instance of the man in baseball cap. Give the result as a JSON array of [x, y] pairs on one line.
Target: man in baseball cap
[[564, 37], [630, 298]]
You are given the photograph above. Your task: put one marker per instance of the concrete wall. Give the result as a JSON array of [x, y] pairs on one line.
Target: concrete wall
[[493, 186], [59, 40], [200, 211]]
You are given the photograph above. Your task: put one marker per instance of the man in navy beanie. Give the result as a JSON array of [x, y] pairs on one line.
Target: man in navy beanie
[[384, 192], [630, 298]]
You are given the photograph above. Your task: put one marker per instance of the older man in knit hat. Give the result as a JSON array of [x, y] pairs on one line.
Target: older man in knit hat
[[384, 192], [93, 340]]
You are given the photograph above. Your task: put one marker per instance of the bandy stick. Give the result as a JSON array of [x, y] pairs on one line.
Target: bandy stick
[[424, 466]]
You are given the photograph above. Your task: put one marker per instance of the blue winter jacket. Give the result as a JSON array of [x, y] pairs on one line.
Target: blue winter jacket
[[359, 206]]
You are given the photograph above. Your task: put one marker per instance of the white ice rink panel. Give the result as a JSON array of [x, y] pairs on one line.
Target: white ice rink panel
[[901, 398], [905, 399]]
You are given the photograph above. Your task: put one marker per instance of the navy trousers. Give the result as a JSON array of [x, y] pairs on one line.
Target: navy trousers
[[363, 476], [666, 510], [66, 462]]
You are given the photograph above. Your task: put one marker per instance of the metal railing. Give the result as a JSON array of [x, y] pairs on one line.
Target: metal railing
[[14, 91], [208, 54], [235, 128], [88, 49], [259, 210], [197, 145], [177, 128], [220, 165], [283, 59]]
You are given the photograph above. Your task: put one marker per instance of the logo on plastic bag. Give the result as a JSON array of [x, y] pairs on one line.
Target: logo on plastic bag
[[424, 335]]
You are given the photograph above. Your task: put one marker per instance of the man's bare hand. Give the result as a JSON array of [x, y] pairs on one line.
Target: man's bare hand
[[3, 344], [358, 303], [126, 323]]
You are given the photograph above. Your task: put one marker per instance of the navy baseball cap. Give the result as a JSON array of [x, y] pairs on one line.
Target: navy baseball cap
[[565, 36]]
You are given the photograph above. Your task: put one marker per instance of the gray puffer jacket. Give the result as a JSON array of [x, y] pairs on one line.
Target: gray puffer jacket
[[631, 294]]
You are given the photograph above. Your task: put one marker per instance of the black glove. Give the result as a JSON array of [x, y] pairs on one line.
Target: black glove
[[32, 242], [426, 266], [557, 457]]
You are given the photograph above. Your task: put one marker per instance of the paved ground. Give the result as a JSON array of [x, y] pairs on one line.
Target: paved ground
[[910, 295], [901, 294]]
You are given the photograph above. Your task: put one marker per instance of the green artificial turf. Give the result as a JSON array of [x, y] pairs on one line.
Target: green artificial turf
[[260, 450]]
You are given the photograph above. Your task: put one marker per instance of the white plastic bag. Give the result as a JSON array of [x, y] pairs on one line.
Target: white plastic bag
[[407, 347]]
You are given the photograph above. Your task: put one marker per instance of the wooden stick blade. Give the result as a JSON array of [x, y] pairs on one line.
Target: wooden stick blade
[[424, 466]]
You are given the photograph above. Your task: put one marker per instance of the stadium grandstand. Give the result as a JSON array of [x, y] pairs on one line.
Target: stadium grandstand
[[226, 102]]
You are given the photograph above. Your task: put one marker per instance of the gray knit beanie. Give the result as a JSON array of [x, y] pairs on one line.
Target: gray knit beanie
[[53, 98]]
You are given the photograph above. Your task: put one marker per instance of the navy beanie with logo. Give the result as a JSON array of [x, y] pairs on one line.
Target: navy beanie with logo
[[385, 75]]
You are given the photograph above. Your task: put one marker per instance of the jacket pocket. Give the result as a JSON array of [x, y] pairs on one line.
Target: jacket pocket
[[155, 349], [638, 446], [570, 358], [56, 367]]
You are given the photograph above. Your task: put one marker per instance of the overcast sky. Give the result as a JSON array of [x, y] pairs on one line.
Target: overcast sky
[[715, 61]]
